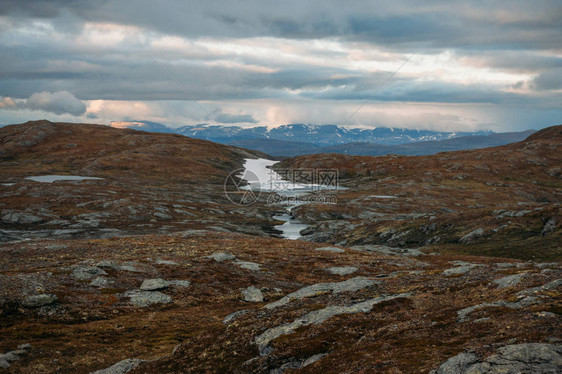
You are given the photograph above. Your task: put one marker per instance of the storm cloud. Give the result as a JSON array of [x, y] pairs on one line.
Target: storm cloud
[[255, 62]]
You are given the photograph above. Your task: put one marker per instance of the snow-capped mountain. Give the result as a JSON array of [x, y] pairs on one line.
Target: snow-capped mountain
[[322, 135], [141, 125], [319, 134]]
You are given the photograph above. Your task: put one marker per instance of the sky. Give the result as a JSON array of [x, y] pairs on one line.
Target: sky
[[439, 65]]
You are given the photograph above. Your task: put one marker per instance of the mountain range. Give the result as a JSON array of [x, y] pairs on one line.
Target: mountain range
[[300, 139]]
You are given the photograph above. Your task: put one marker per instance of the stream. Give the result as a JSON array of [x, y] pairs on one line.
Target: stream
[[260, 177]]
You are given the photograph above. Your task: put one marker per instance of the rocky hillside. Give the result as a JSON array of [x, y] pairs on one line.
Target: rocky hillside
[[43, 147], [494, 201], [445, 264], [205, 301], [151, 182]]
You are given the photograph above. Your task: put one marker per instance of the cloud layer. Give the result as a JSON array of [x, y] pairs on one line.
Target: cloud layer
[[481, 65]]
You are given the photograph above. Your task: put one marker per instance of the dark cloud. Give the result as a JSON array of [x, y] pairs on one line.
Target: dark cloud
[[549, 80], [51, 52], [234, 118]]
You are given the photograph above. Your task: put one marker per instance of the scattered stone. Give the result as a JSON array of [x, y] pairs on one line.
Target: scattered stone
[[536, 358], [126, 266], [510, 280], [146, 298], [232, 316], [350, 285], [317, 317], [154, 284], [342, 270], [549, 226], [252, 294], [25, 346], [472, 236], [330, 249], [37, 301], [222, 256], [121, 367], [83, 272]]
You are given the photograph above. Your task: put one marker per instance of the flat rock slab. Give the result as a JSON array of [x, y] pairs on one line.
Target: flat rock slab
[[222, 256], [317, 317], [536, 358], [154, 284], [462, 268], [510, 280], [350, 285], [147, 298], [121, 367], [342, 270], [330, 249]]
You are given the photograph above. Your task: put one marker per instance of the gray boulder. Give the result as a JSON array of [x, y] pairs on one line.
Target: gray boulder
[[472, 236], [154, 284], [252, 294], [121, 367], [37, 301]]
